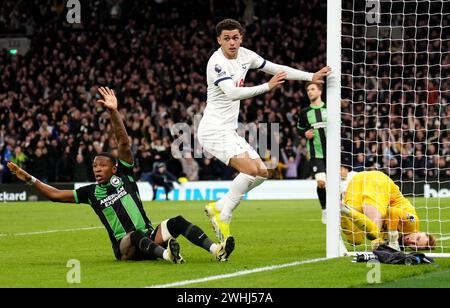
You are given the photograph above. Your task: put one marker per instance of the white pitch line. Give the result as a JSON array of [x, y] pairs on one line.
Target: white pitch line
[[50, 231], [53, 231], [444, 238], [236, 274]]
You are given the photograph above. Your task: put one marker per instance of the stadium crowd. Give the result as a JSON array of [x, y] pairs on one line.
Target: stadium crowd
[[396, 108], [51, 125]]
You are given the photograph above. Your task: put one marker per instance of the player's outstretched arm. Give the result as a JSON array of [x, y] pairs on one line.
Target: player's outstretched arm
[[109, 101], [295, 74], [239, 93], [47, 191], [322, 73]]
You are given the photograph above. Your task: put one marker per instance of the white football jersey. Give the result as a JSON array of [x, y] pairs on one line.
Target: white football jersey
[[222, 112]]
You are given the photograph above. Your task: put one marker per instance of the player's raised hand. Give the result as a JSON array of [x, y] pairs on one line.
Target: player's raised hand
[[324, 72], [109, 98], [19, 172], [277, 80]]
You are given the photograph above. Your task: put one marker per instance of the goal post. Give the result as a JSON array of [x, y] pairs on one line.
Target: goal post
[[388, 105], [333, 127]]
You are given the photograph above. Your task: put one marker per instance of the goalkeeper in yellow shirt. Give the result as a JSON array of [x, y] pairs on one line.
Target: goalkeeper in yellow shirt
[[373, 203]]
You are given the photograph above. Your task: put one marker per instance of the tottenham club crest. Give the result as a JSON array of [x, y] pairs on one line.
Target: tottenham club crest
[[217, 68], [116, 181]]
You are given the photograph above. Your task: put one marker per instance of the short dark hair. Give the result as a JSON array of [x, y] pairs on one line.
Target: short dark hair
[[108, 155], [229, 24], [349, 168], [318, 84]]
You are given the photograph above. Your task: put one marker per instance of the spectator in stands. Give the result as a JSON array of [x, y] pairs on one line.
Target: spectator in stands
[[2, 168], [419, 165], [208, 170], [80, 169], [359, 164], [291, 163], [160, 177], [144, 161], [40, 165], [190, 166], [64, 167], [19, 158]]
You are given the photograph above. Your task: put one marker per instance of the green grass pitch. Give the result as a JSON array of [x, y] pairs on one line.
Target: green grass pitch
[[268, 233]]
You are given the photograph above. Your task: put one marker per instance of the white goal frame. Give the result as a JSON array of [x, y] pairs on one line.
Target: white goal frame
[[335, 248]]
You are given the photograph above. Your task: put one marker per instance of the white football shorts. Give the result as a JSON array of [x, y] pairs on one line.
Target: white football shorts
[[225, 144]]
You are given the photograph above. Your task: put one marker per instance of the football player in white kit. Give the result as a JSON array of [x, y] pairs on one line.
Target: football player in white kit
[[217, 133]]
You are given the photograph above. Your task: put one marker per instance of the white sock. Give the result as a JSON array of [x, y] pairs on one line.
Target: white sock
[[393, 236], [213, 249], [219, 205], [241, 185], [166, 255], [258, 181]]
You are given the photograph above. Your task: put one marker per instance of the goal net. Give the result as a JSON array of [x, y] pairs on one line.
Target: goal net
[[395, 106]]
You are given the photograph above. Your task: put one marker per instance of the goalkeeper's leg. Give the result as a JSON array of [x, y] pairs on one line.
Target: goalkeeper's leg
[[362, 222], [353, 235]]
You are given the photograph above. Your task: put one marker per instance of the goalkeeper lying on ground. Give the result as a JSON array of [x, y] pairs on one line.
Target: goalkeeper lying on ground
[[373, 203]]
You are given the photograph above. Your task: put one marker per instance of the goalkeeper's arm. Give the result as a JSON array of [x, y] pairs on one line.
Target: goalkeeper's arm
[[394, 218]]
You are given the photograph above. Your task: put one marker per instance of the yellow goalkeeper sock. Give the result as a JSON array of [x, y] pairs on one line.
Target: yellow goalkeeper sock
[[353, 235], [365, 224]]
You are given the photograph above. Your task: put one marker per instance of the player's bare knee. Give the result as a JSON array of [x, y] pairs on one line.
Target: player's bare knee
[[252, 171], [321, 184], [127, 249], [264, 173], [321, 179], [128, 254]]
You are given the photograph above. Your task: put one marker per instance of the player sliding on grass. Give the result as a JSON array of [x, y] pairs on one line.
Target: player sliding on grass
[[217, 134], [373, 202], [115, 199]]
